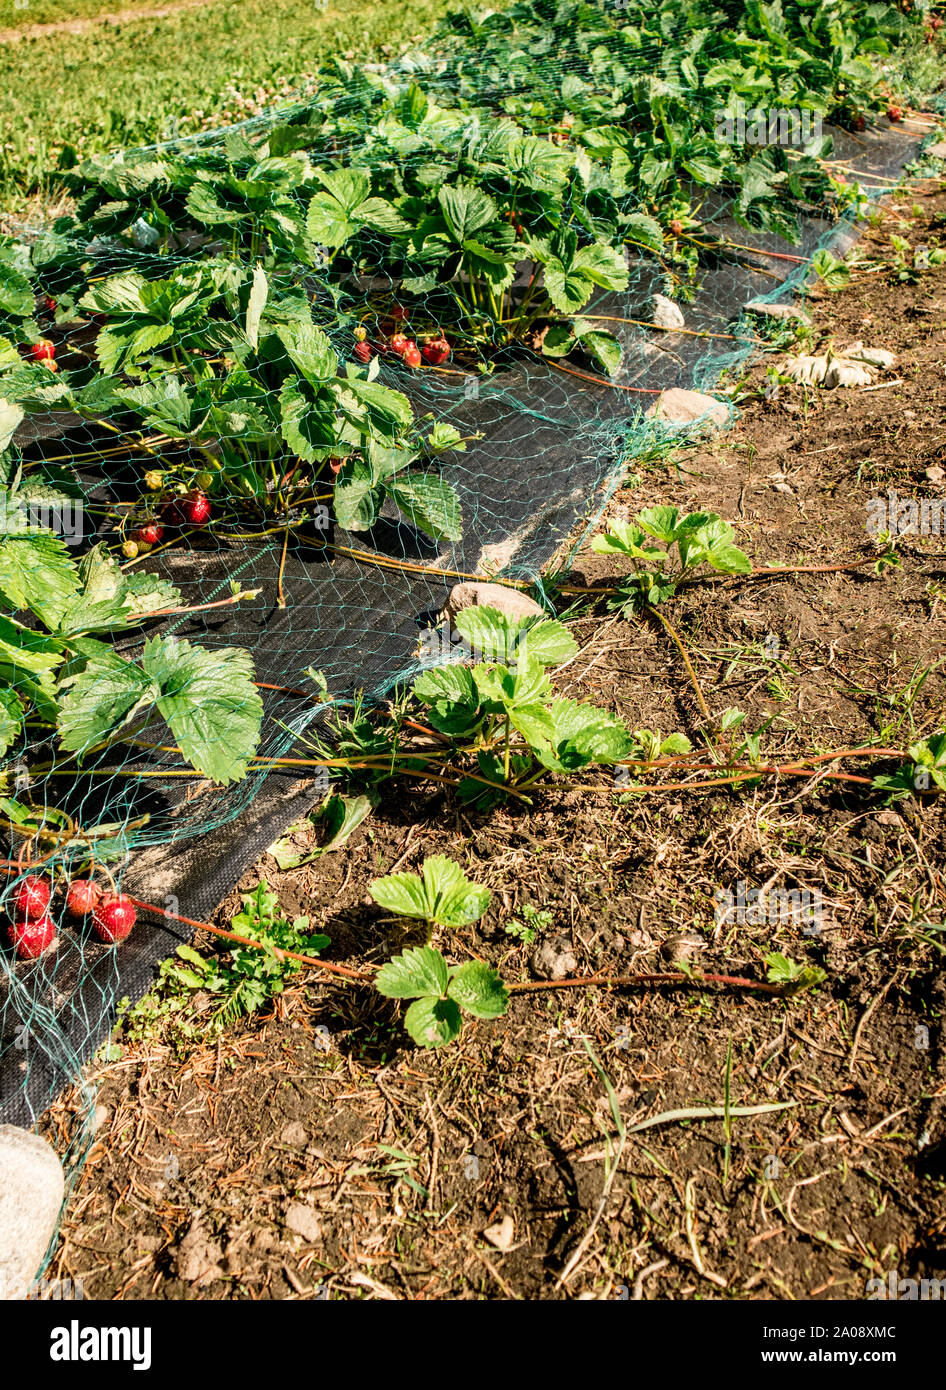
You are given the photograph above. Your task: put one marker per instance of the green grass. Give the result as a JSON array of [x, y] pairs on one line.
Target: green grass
[[139, 82]]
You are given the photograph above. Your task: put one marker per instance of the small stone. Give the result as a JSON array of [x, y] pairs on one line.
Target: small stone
[[677, 406], [938, 151], [31, 1192], [666, 314], [102, 1113], [679, 949], [197, 1257], [935, 474], [295, 1135], [302, 1221], [640, 940], [778, 311], [553, 959], [512, 602], [501, 1234]]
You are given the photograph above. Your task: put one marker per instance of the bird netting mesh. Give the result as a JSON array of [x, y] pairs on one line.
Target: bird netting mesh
[[267, 393]]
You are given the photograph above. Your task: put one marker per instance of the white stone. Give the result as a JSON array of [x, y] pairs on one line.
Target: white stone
[[31, 1192], [512, 602], [680, 407], [303, 1221], [778, 311], [666, 314]]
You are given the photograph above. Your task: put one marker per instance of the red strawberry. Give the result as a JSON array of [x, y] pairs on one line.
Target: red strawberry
[[858, 122], [436, 350], [399, 313], [42, 350], [363, 351], [49, 304], [150, 533], [676, 227], [399, 344], [83, 897], [31, 897], [31, 938], [192, 510], [113, 918], [412, 353], [894, 114]]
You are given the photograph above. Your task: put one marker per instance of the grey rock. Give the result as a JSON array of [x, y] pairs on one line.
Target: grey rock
[[512, 602], [31, 1192], [302, 1221], [677, 950], [677, 406], [666, 314], [295, 1135], [198, 1256], [778, 311], [938, 151], [553, 959]]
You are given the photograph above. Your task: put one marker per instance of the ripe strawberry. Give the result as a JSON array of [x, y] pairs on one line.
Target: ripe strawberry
[[192, 510], [399, 344], [399, 313], [30, 938], [83, 897], [42, 351], [412, 353], [49, 304], [436, 350], [858, 122], [50, 364], [113, 918], [363, 351], [150, 534], [31, 897], [197, 508], [894, 114]]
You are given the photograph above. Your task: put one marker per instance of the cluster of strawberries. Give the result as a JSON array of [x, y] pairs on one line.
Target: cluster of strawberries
[[31, 930], [435, 351]]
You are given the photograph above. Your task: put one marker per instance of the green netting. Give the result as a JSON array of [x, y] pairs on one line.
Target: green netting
[[267, 393]]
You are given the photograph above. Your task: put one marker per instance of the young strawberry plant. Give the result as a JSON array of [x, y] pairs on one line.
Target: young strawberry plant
[[688, 543]]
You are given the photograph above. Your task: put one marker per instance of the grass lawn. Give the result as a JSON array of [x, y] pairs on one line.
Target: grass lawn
[[135, 82]]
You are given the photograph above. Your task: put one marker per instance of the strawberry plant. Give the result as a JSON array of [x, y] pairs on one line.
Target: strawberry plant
[[61, 675], [441, 993], [687, 543], [441, 895]]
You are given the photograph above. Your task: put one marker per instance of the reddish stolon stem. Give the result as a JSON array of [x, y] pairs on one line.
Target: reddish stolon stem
[[248, 941], [623, 981]]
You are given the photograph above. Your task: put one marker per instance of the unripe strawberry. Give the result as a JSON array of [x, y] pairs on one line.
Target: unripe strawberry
[[204, 481], [42, 351], [130, 550], [83, 897], [154, 480], [360, 334], [49, 364], [113, 918], [676, 227], [412, 354], [31, 897], [30, 938]]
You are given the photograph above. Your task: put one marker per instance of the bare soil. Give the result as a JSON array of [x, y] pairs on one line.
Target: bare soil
[[314, 1152]]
